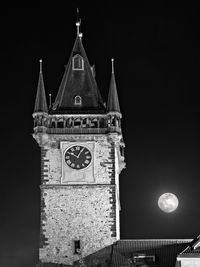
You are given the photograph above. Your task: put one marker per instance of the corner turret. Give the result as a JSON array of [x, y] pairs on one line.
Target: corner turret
[[40, 101], [40, 114], [113, 102]]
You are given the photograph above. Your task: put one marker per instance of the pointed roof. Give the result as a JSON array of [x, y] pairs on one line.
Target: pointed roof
[[78, 82], [193, 248], [163, 251], [113, 101], [40, 101]]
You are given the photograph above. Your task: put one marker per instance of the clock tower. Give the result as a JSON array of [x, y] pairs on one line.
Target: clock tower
[[81, 147]]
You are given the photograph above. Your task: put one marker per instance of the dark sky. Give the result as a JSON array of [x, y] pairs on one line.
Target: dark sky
[[157, 56]]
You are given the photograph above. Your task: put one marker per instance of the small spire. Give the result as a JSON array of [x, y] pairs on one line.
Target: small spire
[[40, 65], [112, 60], [49, 100], [40, 101], [113, 101]]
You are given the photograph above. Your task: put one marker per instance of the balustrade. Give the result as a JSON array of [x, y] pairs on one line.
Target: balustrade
[[79, 123]]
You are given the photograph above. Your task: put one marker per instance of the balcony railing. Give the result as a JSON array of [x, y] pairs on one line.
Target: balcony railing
[[82, 130]]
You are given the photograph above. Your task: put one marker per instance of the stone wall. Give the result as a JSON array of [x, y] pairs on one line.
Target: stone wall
[[76, 213], [86, 211]]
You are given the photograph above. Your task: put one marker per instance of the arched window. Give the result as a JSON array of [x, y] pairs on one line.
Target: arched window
[[78, 100], [77, 63]]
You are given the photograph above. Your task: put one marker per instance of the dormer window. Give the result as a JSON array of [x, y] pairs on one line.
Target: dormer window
[[78, 100], [77, 63], [142, 259]]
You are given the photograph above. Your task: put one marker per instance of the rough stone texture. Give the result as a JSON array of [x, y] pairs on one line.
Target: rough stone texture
[[54, 166], [102, 161], [76, 213], [87, 210]]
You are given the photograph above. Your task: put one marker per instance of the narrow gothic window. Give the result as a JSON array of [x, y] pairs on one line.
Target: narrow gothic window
[[77, 63], [78, 100], [121, 151], [77, 246]]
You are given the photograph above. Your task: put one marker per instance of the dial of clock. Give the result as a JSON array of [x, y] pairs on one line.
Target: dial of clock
[[78, 157]]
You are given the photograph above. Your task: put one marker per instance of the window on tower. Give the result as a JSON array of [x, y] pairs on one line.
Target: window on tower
[[121, 151], [78, 100], [77, 246], [77, 63]]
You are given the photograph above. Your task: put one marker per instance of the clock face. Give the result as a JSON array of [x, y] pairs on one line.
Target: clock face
[[78, 157]]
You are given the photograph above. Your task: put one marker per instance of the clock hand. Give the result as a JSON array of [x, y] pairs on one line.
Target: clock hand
[[72, 154], [80, 152]]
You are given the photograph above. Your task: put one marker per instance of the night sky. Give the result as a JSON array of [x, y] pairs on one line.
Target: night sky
[[157, 55]]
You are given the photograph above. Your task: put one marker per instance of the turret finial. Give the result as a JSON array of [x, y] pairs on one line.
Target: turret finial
[[112, 60], [40, 65], [49, 100], [78, 24]]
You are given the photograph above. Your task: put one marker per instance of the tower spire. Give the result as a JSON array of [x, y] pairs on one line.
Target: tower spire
[[40, 101], [113, 102], [73, 84]]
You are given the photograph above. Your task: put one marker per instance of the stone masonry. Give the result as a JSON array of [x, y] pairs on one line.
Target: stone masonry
[[88, 210]]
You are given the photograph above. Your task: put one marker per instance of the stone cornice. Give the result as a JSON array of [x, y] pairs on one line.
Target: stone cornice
[[58, 186]]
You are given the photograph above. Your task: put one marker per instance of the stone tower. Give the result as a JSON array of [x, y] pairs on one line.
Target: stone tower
[[81, 157]]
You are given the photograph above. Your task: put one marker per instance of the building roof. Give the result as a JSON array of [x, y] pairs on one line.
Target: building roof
[[78, 81], [193, 250], [164, 250], [113, 101], [120, 253], [40, 101]]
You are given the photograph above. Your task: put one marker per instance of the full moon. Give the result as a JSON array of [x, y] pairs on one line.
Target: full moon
[[168, 202]]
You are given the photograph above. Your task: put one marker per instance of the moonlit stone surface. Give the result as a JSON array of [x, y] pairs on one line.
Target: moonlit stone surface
[[168, 202]]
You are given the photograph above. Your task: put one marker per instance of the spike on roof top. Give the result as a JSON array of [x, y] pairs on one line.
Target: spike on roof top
[[40, 65], [112, 60], [113, 102], [78, 25], [40, 101]]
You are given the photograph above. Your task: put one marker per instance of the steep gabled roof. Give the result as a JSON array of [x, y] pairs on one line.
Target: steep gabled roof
[[113, 101], [40, 101], [78, 82], [192, 249]]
